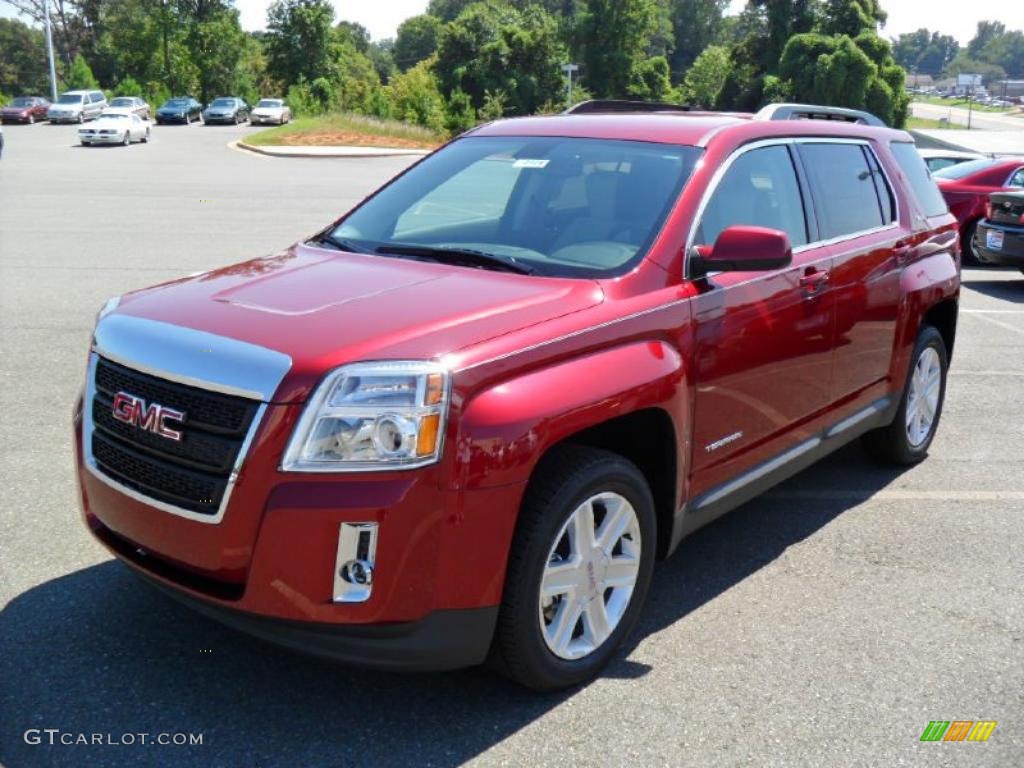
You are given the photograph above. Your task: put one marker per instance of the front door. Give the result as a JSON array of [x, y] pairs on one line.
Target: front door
[[763, 352]]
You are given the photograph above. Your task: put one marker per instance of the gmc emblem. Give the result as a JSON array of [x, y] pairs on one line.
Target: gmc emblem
[[152, 418]]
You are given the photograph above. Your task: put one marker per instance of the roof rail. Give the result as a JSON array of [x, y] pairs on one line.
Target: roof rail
[[816, 112], [604, 106]]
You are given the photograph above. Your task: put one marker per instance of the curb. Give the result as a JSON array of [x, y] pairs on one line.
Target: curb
[[330, 152]]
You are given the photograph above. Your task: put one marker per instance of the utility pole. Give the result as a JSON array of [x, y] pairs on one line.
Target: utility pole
[[569, 69], [49, 51]]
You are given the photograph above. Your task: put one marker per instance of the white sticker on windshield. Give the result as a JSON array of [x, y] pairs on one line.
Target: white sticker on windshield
[[526, 162]]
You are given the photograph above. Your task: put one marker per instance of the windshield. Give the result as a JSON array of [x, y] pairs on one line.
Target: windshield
[[176, 103], [114, 116], [70, 98], [962, 170], [223, 103], [562, 206], [22, 102], [122, 101], [269, 103]]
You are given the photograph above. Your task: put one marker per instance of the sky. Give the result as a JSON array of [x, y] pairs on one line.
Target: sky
[[951, 17]]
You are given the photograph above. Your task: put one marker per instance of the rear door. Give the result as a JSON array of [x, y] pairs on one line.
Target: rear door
[[858, 222], [763, 352]]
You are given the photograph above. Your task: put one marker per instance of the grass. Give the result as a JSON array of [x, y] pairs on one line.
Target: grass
[[344, 129], [921, 123], [960, 103]]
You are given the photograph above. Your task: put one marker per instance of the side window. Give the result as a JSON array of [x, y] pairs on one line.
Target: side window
[[919, 179], [1017, 180], [886, 200], [759, 189], [845, 196]]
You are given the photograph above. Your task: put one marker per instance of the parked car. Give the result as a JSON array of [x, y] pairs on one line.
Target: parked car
[[115, 126], [179, 109], [270, 111], [464, 420], [999, 238], [226, 109], [77, 107], [134, 103], [966, 187], [937, 159], [25, 109]]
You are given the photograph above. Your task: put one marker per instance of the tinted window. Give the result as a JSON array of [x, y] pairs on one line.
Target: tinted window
[[919, 179], [759, 189], [1017, 180], [963, 170], [566, 206], [845, 196], [886, 199]]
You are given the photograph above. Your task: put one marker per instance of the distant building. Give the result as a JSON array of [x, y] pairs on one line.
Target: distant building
[[1007, 89], [925, 82]]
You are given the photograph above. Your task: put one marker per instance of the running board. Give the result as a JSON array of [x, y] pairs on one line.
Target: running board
[[723, 498]]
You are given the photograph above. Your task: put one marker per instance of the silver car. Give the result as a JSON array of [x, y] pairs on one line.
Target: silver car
[[77, 107], [134, 103], [273, 111]]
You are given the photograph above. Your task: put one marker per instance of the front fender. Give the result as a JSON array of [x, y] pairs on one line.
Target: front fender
[[506, 428]]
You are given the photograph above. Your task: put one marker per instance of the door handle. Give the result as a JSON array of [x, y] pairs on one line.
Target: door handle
[[813, 279]]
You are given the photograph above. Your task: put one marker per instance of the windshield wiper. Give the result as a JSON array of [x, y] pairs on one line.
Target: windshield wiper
[[460, 256], [341, 244]]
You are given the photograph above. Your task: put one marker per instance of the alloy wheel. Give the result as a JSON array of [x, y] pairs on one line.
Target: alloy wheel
[[590, 575], [923, 398]]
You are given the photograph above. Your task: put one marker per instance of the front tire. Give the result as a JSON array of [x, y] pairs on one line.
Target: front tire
[[906, 441], [579, 568]]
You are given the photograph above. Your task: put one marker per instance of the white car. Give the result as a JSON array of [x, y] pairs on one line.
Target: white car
[[937, 159], [273, 111], [115, 126]]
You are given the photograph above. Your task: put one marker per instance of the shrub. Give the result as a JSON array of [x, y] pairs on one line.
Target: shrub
[[128, 87], [413, 96]]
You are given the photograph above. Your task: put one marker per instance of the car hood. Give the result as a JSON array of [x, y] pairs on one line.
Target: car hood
[[15, 110], [268, 111], [325, 308], [103, 123]]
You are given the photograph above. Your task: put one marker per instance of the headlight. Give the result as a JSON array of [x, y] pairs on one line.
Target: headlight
[[372, 416]]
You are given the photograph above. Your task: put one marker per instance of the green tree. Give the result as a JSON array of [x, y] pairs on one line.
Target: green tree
[[651, 80], [448, 10], [417, 40], [696, 24], [987, 31], [494, 47], [851, 17], [1006, 51], [704, 80], [23, 68], [299, 40], [79, 76], [414, 97], [218, 45], [615, 35]]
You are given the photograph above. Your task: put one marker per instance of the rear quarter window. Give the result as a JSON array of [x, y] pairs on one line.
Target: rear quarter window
[[919, 178], [843, 183]]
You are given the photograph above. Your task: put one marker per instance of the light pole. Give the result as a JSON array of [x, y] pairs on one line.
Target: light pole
[[49, 50], [569, 69]]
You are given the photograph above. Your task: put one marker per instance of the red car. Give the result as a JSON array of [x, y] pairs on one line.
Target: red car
[[463, 421], [966, 188], [25, 109]]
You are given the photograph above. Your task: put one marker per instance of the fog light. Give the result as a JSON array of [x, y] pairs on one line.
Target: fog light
[[355, 562]]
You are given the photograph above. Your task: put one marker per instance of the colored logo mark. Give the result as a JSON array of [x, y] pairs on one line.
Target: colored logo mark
[[958, 730]]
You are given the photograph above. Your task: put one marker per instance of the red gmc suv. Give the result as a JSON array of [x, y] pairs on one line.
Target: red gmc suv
[[462, 422]]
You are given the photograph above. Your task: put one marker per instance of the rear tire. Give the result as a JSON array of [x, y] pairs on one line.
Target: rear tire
[[575, 505], [905, 442], [970, 255], [127, 139], [145, 139]]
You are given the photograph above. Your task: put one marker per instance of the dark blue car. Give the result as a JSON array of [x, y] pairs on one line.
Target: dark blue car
[[179, 109]]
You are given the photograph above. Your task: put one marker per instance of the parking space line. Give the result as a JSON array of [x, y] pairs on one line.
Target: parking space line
[[992, 311], [894, 494], [1000, 323]]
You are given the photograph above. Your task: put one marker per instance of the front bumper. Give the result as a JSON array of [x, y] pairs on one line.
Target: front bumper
[[222, 119], [268, 567], [101, 138], [1011, 254], [63, 118], [172, 118]]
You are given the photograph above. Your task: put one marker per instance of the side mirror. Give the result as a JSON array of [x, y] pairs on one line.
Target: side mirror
[[743, 249]]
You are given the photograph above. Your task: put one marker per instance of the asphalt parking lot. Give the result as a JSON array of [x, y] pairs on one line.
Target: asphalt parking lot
[[824, 624]]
